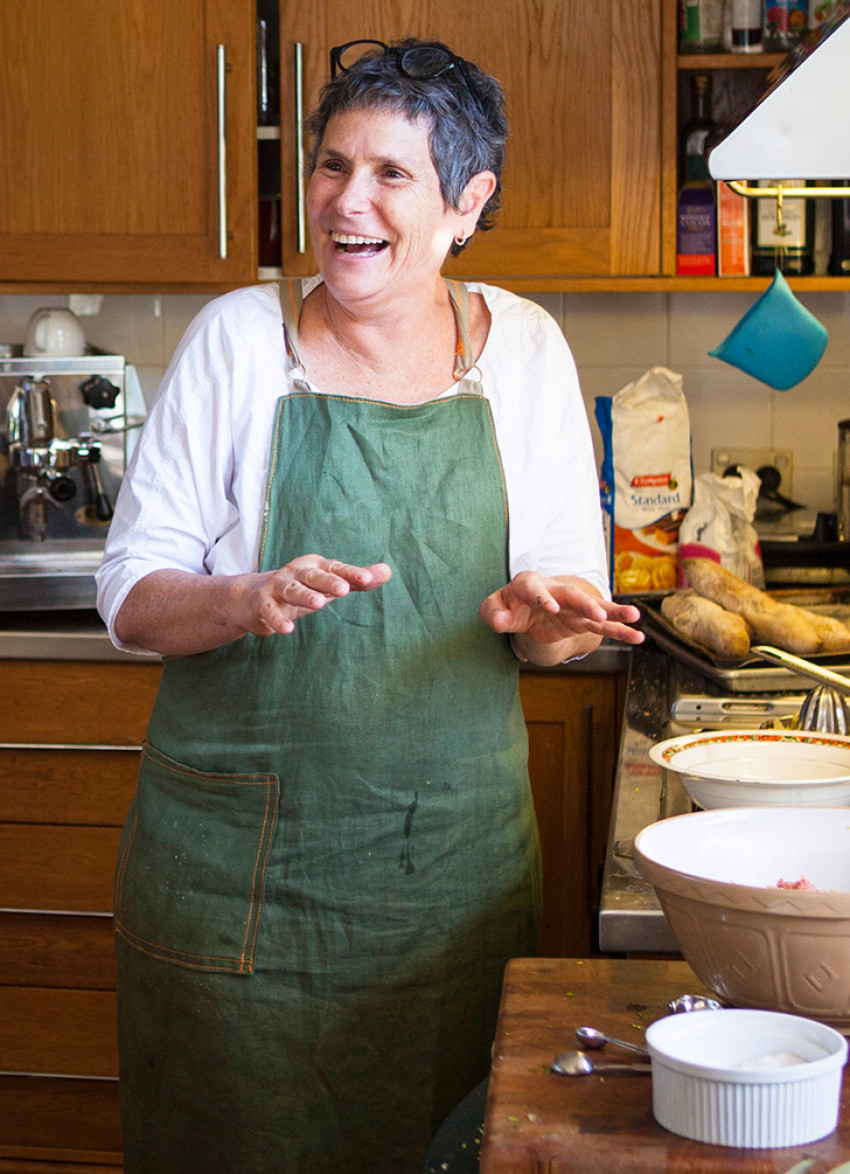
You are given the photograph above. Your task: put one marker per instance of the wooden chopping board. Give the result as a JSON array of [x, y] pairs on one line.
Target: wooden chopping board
[[541, 1123]]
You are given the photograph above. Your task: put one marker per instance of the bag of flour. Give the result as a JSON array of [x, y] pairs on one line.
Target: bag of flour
[[646, 479], [719, 525]]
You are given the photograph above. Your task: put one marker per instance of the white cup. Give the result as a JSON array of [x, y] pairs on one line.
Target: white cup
[[53, 332]]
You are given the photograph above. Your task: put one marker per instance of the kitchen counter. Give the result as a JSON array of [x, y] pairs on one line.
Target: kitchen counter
[[630, 917], [81, 635], [538, 1121], [59, 635]]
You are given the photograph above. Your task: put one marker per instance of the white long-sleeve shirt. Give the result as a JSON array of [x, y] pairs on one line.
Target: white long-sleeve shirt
[[193, 495]]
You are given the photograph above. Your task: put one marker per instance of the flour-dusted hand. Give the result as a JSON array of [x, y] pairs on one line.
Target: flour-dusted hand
[[551, 619]]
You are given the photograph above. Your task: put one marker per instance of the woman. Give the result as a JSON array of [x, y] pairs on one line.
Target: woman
[[332, 851]]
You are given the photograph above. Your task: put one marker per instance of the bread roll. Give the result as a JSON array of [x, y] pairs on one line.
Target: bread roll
[[709, 579], [720, 631], [833, 634], [781, 624]]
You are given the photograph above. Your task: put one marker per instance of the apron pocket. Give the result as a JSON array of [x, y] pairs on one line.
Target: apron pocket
[[192, 861]]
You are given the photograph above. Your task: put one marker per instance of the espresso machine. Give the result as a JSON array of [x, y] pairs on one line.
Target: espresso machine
[[64, 436]]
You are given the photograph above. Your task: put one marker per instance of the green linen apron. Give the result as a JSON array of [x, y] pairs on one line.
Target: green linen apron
[[332, 851]]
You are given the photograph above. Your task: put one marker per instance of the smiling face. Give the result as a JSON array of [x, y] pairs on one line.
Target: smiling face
[[379, 224]]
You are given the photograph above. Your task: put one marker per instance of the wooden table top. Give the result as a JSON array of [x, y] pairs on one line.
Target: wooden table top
[[541, 1123]]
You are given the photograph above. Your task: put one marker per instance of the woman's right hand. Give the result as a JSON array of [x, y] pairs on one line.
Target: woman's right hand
[[179, 613], [273, 600]]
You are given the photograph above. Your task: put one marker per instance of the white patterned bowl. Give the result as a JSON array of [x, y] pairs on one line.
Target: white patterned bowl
[[760, 768], [751, 1079], [716, 875]]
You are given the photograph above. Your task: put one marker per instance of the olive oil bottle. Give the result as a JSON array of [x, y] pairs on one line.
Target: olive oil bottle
[[786, 245]]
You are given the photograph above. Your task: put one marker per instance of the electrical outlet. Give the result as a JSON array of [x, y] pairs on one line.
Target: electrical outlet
[[782, 459]]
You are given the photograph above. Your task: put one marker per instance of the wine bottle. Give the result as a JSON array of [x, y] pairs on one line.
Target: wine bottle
[[839, 255], [695, 132], [789, 246], [696, 213]]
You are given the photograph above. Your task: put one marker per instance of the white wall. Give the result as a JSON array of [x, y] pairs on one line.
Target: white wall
[[615, 337]]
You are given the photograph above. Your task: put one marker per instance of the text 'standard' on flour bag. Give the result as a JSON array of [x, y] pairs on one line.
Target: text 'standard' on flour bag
[[646, 479]]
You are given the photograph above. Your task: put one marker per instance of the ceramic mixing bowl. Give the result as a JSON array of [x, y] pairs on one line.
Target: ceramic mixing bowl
[[760, 768], [759, 902]]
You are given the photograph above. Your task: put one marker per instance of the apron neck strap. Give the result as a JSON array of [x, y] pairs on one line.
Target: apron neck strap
[[292, 298], [464, 355]]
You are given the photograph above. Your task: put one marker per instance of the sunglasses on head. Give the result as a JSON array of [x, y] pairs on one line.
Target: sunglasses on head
[[422, 62]]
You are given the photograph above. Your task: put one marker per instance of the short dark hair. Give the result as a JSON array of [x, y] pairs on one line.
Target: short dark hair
[[467, 133]]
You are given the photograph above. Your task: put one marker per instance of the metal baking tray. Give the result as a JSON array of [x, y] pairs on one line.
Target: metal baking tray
[[751, 675]]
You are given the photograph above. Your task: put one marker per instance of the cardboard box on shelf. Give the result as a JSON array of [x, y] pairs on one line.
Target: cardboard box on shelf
[[733, 233]]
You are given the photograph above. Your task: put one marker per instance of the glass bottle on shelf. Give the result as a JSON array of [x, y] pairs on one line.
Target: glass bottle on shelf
[[701, 26], [747, 26], [696, 131], [839, 255], [787, 245], [784, 23], [696, 216]]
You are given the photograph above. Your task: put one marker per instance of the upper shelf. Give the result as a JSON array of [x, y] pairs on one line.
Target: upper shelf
[[729, 60]]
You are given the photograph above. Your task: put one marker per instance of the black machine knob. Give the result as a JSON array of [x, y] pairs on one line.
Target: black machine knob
[[61, 488], [98, 392]]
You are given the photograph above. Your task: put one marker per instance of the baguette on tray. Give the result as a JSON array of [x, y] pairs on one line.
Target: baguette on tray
[[834, 635], [780, 624], [722, 632]]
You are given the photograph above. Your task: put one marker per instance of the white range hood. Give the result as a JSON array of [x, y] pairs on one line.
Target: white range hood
[[800, 127]]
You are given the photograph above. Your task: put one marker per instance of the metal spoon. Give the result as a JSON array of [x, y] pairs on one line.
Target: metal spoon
[[589, 1037], [580, 1064], [693, 1003]]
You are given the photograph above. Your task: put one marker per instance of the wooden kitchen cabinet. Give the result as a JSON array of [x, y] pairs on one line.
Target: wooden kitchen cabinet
[[582, 181], [111, 157], [69, 747], [740, 78], [573, 726], [70, 734]]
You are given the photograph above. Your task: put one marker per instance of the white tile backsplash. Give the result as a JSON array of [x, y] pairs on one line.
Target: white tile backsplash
[[614, 337]]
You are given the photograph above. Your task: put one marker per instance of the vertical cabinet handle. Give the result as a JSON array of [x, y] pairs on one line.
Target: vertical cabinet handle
[[590, 863], [301, 217], [221, 125]]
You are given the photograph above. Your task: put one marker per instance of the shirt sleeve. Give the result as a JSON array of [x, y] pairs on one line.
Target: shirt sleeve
[[178, 502], [545, 443]]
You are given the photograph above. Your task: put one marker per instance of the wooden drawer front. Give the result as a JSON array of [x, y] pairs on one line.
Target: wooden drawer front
[[39, 949], [56, 868], [58, 1032], [59, 1120], [67, 786], [86, 702]]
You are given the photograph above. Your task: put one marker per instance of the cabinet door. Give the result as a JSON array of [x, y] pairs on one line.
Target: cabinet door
[[109, 119], [573, 730], [582, 81]]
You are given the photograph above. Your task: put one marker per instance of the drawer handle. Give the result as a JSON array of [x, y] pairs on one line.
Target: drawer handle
[[68, 746]]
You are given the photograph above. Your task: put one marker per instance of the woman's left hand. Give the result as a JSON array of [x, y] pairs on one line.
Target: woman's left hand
[[552, 619]]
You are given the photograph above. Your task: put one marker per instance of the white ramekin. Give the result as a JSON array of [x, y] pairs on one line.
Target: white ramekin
[[702, 1088]]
